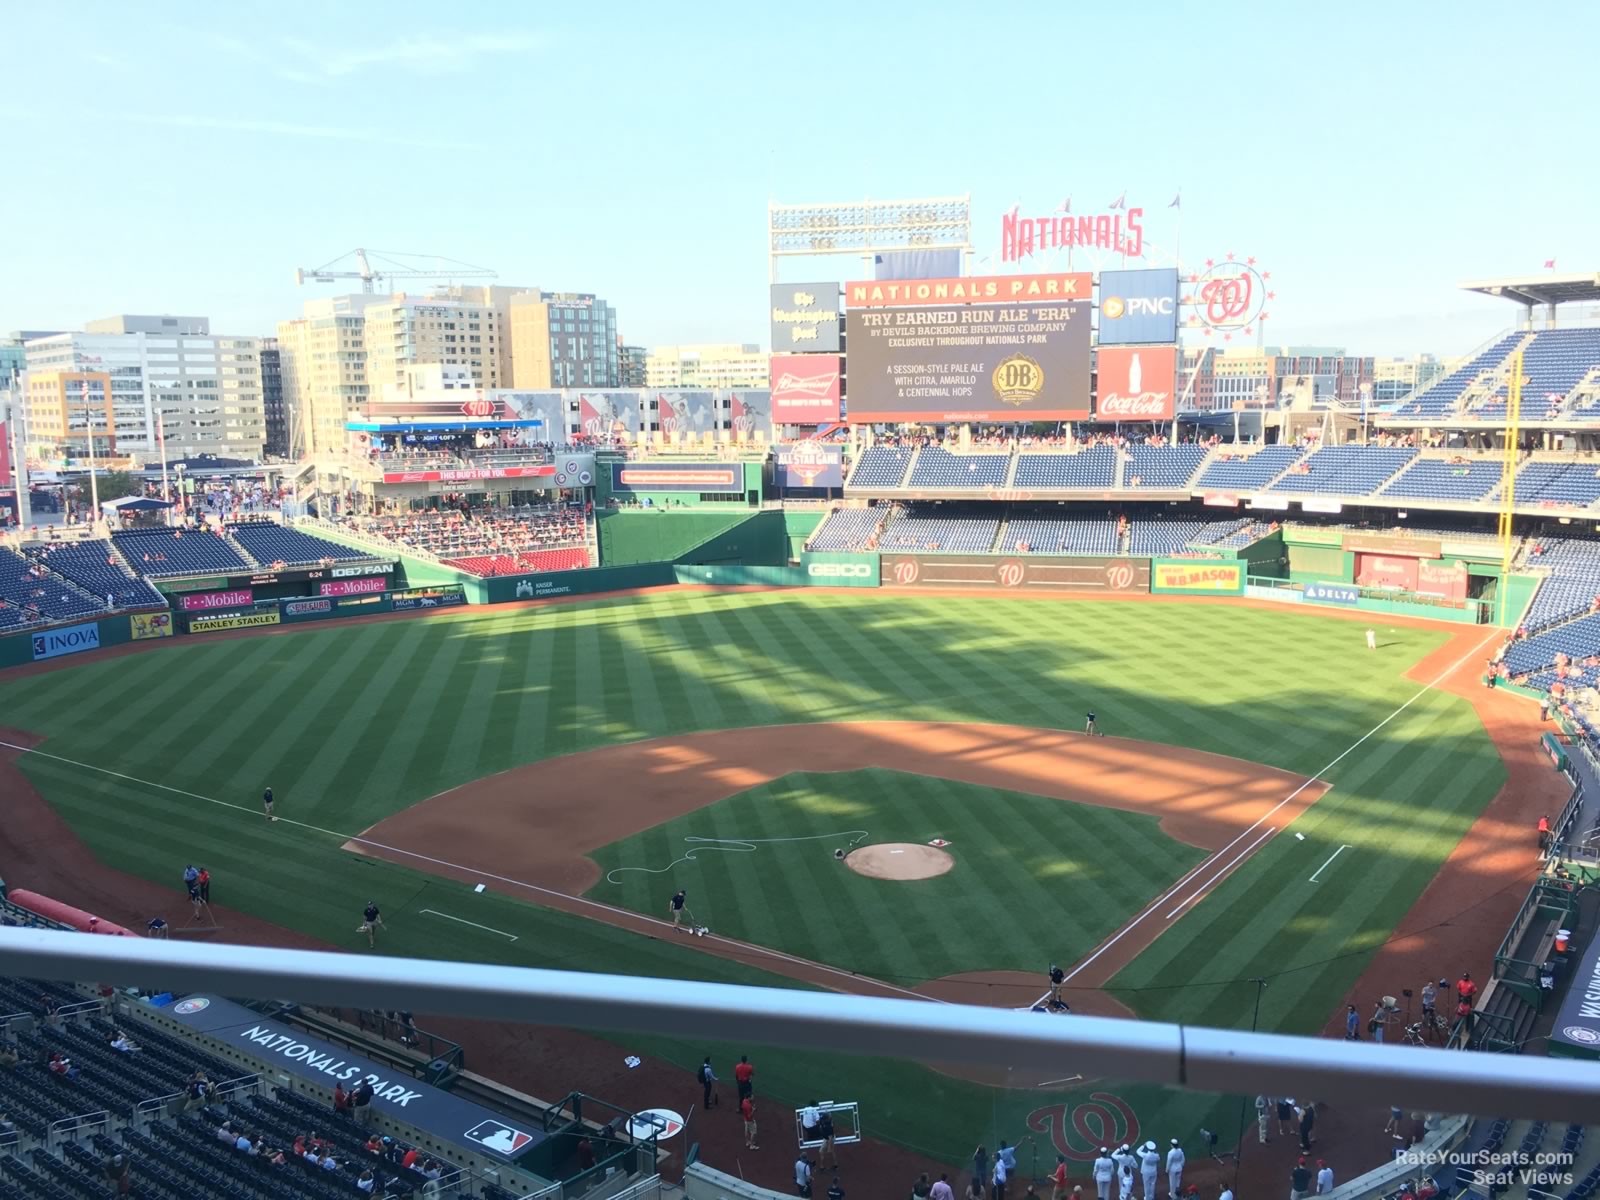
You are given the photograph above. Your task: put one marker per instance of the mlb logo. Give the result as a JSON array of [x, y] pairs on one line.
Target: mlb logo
[[502, 1139]]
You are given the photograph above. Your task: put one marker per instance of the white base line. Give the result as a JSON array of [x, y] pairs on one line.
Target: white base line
[[1205, 888], [254, 814], [1325, 865], [1177, 887], [474, 924]]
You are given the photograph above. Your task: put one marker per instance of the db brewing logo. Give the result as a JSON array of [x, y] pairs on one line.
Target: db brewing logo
[[1011, 573]]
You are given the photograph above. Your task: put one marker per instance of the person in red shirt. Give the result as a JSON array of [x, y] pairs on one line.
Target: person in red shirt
[[1058, 1181], [1466, 989], [747, 1110], [1544, 833], [410, 1158], [744, 1076], [341, 1100]]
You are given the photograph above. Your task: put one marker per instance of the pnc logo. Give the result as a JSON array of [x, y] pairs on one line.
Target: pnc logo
[[1113, 307], [839, 571]]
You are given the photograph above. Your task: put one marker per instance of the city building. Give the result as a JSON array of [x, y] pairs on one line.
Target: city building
[[278, 419], [1270, 377], [728, 365], [323, 358], [563, 339], [630, 365], [139, 380], [1396, 378], [406, 331]]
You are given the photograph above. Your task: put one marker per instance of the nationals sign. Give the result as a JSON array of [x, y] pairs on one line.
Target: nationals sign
[[805, 388], [978, 289], [1136, 383], [1121, 232]]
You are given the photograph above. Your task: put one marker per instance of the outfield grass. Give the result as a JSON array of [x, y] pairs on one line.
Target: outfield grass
[[1036, 881], [351, 724]]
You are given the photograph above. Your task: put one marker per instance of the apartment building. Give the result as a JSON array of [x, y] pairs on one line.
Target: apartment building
[[563, 339], [723, 365], [133, 380]]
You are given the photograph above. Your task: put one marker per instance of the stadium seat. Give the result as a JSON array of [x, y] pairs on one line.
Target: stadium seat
[[848, 529], [1162, 466], [938, 468], [268, 542], [1242, 472], [1439, 398], [37, 592], [93, 566], [155, 553], [920, 529], [1033, 536], [1344, 470], [880, 467], [1093, 467], [1448, 479]]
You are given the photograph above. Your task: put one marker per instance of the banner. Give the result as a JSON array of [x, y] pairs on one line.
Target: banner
[[74, 639], [369, 569], [243, 621], [354, 587], [1321, 506], [961, 363], [1387, 571], [722, 478], [1202, 577], [1136, 383], [1276, 503], [1221, 499], [1024, 572], [574, 470], [444, 596], [837, 568], [1447, 579], [1138, 307], [977, 289], [1332, 593], [805, 316], [200, 601], [805, 388], [1378, 543], [467, 476], [809, 464], [1576, 1032], [303, 608], [5, 455], [143, 626]]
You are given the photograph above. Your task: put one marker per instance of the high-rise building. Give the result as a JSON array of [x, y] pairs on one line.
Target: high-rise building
[[563, 339], [407, 331], [1396, 378], [272, 405], [1270, 376], [323, 358], [138, 379], [725, 365], [630, 365]]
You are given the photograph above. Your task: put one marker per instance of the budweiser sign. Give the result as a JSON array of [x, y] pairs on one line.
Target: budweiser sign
[[1136, 383], [805, 388]]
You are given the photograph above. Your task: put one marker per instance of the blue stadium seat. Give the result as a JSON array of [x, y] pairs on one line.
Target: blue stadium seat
[[1247, 472], [1029, 535], [936, 467], [161, 552], [1345, 470], [880, 467], [847, 529], [92, 565], [40, 594], [920, 529], [1440, 397], [1447, 479], [1162, 466], [1094, 467], [269, 542]]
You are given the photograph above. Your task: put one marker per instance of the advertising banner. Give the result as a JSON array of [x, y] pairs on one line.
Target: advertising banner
[[805, 316], [307, 608], [1024, 572], [1576, 1032], [1447, 579], [1138, 307], [1387, 571], [809, 464], [978, 363], [5, 455], [1201, 577], [1136, 383], [470, 474], [74, 639], [1321, 506], [677, 477], [977, 289], [200, 601], [144, 626], [1332, 593], [1221, 499], [396, 1095], [1377, 543], [353, 587], [828, 568], [805, 388], [368, 569], [444, 596], [241, 621], [1275, 503], [574, 470]]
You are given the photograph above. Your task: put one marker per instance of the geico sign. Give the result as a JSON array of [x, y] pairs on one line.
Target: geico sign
[[839, 570]]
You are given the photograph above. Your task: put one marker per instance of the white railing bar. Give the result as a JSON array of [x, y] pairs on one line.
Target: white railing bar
[[1211, 1060]]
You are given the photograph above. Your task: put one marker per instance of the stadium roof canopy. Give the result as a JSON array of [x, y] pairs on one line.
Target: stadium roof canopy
[[1547, 288]]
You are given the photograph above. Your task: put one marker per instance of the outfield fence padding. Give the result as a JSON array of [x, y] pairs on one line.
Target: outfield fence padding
[[1025, 572]]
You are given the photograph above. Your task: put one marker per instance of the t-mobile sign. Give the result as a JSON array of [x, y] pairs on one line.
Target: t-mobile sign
[[354, 587]]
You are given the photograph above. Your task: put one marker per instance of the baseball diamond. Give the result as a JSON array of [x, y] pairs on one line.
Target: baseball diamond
[[583, 760]]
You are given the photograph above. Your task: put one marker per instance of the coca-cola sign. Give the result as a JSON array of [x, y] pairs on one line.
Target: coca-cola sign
[[1136, 383]]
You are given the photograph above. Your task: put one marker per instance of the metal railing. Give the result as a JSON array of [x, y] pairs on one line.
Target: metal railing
[[71, 1128], [1207, 1060]]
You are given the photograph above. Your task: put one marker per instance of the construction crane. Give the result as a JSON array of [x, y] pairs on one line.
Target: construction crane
[[391, 265]]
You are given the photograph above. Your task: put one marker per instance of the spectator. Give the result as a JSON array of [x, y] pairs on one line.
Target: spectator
[[921, 1188], [1308, 1122], [1263, 1107], [744, 1078], [61, 1066], [361, 1101], [409, 1159], [121, 1042], [835, 1192], [1001, 1175], [747, 1110], [367, 1182], [1285, 1114], [244, 1145], [941, 1190], [1466, 990], [708, 1084], [118, 1175], [1352, 1024], [1299, 1181], [802, 1175], [341, 1101], [980, 1165], [585, 1154], [1058, 1180], [8, 1054], [1324, 1177]]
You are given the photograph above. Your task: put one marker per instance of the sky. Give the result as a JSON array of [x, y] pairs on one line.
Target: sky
[[1371, 156]]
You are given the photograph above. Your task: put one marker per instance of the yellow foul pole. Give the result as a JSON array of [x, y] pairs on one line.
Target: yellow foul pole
[[1508, 478]]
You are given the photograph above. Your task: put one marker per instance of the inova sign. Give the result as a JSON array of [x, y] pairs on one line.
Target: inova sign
[[839, 571], [56, 642]]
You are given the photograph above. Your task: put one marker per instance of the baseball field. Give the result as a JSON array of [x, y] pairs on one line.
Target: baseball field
[[586, 760]]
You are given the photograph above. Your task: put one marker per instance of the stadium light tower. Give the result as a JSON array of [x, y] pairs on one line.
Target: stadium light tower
[[868, 227]]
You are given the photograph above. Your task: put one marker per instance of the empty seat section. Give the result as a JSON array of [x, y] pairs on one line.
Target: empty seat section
[[1093, 467]]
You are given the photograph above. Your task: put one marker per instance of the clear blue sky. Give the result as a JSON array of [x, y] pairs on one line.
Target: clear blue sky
[[1370, 155]]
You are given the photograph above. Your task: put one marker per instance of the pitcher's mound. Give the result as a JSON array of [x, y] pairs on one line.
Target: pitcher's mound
[[899, 860]]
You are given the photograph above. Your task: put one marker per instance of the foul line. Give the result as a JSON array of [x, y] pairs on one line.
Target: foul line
[[255, 813], [1327, 864], [1355, 745], [474, 924]]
